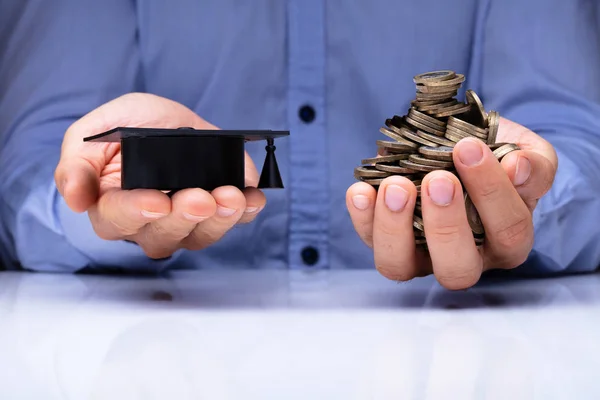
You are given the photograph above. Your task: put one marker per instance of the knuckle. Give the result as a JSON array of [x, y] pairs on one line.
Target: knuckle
[[489, 190], [386, 229], [443, 233], [160, 231], [201, 240], [122, 230], [515, 234]]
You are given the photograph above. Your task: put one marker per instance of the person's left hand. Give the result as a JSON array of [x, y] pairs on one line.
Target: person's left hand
[[505, 195]]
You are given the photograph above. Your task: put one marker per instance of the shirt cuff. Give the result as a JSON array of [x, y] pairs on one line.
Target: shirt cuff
[[104, 254]]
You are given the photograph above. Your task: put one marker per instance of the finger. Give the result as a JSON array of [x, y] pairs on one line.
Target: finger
[[511, 132], [360, 201], [163, 237], [531, 173], [393, 237], [255, 202], [231, 204], [77, 180], [506, 218], [456, 261], [251, 174], [122, 213]]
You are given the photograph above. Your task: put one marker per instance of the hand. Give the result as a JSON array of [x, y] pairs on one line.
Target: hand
[[505, 195], [88, 176]]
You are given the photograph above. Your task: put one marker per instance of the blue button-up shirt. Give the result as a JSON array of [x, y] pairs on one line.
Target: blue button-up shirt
[[254, 65]]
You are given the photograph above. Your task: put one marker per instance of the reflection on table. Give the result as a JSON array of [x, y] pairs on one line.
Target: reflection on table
[[296, 335]]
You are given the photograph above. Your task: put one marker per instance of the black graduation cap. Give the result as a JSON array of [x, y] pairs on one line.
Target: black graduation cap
[[175, 159]]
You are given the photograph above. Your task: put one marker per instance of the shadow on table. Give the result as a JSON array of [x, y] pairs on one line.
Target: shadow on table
[[357, 289]]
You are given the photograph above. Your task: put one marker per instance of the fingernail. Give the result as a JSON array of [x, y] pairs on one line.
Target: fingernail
[[469, 152], [441, 191], [395, 197], [523, 171], [251, 210], [360, 201], [225, 212], [153, 215], [194, 218]]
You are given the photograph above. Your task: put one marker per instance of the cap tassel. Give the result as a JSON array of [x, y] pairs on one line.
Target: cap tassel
[[270, 178]]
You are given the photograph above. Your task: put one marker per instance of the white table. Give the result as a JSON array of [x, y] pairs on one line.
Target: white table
[[294, 335]]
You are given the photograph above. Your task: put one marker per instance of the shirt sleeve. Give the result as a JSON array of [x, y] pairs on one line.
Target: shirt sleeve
[[538, 64], [59, 60]]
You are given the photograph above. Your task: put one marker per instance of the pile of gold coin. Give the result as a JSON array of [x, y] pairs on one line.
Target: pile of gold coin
[[422, 140]]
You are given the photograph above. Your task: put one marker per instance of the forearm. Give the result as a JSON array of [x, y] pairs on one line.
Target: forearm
[[567, 219], [538, 65]]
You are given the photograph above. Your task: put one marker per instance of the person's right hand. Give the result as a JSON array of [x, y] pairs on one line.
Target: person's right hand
[[88, 176]]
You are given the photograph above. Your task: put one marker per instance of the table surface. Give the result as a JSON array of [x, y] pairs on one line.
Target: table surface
[[296, 335]]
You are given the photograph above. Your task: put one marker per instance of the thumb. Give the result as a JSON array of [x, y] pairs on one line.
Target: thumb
[[78, 182]]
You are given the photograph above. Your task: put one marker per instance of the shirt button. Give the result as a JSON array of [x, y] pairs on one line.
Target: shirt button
[[310, 255], [307, 114]]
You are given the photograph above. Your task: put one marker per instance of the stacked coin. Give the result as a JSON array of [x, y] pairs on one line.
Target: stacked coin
[[422, 140]]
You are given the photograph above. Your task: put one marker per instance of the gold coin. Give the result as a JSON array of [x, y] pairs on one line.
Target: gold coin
[[493, 122], [459, 123], [369, 172], [454, 110], [426, 128], [412, 136], [494, 146], [434, 76], [450, 135], [457, 131], [502, 151], [424, 103], [437, 89], [416, 167], [435, 139], [434, 106], [435, 96], [478, 113], [473, 216], [461, 132], [396, 122], [418, 223], [426, 119], [442, 153], [456, 81], [395, 147], [374, 182], [394, 128], [398, 138], [396, 169], [417, 159], [384, 159]]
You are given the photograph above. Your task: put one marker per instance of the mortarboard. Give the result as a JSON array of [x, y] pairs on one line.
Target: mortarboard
[[175, 159]]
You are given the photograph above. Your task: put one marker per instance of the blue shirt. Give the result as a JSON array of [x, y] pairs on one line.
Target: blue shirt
[[254, 65]]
